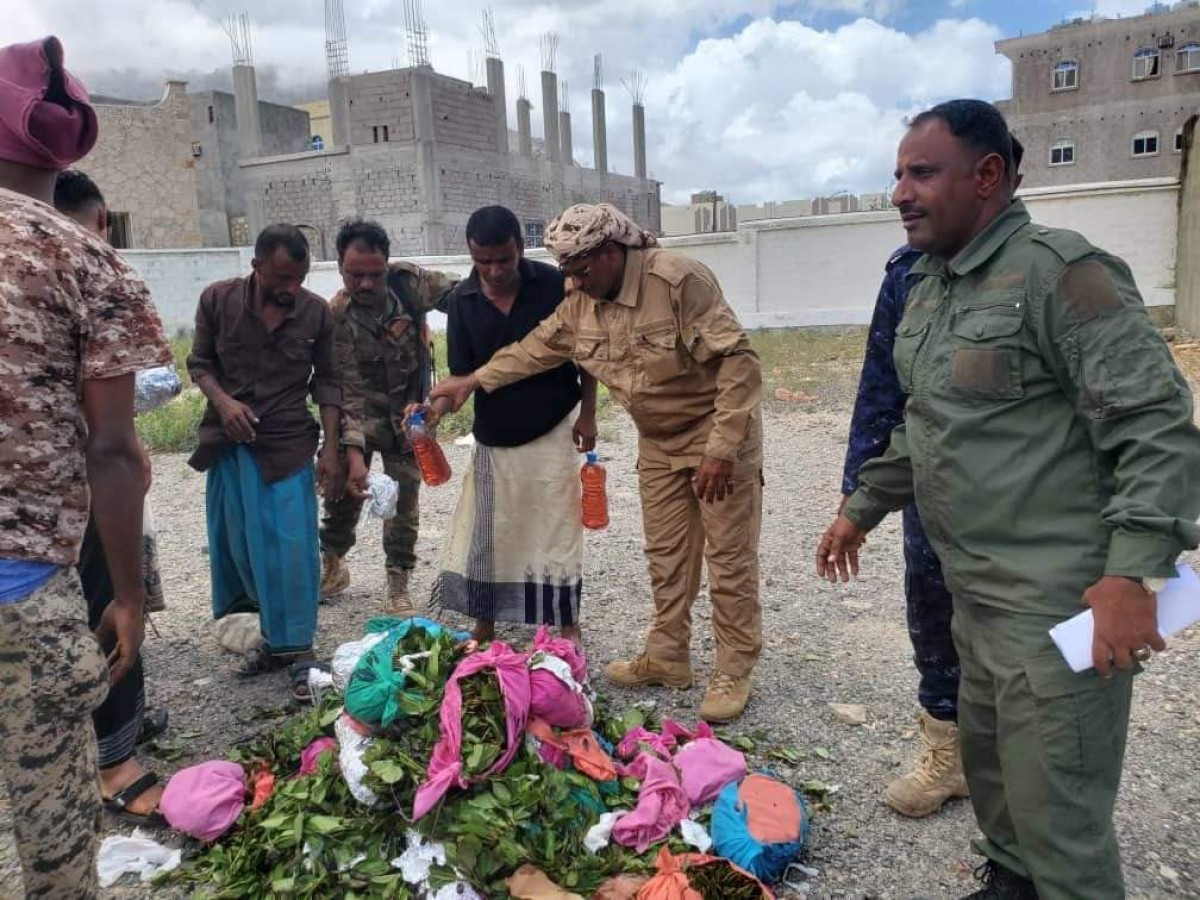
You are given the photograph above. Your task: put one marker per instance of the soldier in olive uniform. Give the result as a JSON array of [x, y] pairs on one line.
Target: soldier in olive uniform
[[383, 352], [1049, 444]]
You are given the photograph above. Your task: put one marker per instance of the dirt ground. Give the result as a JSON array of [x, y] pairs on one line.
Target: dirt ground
[[824, 645]]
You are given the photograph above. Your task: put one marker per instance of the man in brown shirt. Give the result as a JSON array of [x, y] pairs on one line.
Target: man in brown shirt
[[263, 344], [653, 326], [76, 323]]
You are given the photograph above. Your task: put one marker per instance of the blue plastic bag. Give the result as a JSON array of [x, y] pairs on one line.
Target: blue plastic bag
[[761, 824]]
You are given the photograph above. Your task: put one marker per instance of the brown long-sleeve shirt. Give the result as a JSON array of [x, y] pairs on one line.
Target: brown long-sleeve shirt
[[669, 348], [272, 372]]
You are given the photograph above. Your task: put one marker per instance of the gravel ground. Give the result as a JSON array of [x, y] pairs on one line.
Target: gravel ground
[[823, 645]]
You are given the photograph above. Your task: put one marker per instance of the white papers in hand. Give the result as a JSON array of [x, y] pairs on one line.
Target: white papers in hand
[[1178, 608]]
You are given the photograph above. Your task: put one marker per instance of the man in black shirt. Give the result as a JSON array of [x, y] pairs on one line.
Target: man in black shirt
[[515, 548]]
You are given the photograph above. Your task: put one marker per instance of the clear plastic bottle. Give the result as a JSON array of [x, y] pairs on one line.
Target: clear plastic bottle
[[595, 496], [435, 469]]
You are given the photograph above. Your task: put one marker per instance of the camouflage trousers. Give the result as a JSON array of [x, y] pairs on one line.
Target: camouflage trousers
[[52, 676], [399, 533]]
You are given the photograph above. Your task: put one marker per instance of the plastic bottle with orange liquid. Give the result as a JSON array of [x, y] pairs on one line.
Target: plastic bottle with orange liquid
[[595, 496], [435, 468]]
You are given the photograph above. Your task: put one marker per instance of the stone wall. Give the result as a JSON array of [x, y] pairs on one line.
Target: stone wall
[[378, 100], [463, 116], [143, 164]]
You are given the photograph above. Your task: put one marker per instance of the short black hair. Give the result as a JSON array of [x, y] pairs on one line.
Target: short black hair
[[977, 124], [1018, 152], [363, 231], [493, 226], [289, 237], [74, 192]]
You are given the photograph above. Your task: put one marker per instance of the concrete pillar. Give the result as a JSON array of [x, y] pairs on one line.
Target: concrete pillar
[[1187, 254], [550, 114], [495, 87], [339, 113], [599, 131], [245, 105], [639, 141], [524, 132], [428, 176], [565, 140]]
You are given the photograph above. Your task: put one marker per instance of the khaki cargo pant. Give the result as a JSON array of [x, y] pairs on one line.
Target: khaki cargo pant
[[51, 678], [340, 521], [1042, 748], [681, 532]]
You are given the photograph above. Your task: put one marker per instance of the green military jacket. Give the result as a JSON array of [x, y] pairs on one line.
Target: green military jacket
[[1048, 438], [382, 359]]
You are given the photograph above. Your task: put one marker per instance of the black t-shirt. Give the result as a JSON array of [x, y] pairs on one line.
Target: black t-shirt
[[526, 410]]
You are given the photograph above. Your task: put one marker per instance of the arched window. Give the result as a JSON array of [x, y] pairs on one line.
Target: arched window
[[1062, 153], [1145, 143], [1066, 76], [1145, 64], [317, 143], [1187, 59]]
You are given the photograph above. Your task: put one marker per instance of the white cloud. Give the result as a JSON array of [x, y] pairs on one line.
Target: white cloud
[[775, 111]]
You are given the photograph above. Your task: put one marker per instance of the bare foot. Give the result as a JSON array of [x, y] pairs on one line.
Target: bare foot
[[484, 631], [115, 779]]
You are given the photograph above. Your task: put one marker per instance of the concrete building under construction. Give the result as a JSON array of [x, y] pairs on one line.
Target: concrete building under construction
[[419, 151]]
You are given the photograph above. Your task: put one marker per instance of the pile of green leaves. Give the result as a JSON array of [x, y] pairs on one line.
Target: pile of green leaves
[[484, 723], [425, 682], [718, 880]]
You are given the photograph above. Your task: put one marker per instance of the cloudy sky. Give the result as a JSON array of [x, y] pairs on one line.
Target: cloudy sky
[[759, 100]]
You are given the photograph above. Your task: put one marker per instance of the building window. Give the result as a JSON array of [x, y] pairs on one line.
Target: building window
[[317, 143], [385, 134], [533, 234], [1179, 139], [1145, 64], [119, 232], [1062, 153], [1145, 143], [375, 133], [211, 117], [1187, 59], [1066, 76]]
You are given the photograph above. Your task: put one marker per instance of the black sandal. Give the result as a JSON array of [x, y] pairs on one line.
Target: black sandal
[[118, 804], [299, 672]]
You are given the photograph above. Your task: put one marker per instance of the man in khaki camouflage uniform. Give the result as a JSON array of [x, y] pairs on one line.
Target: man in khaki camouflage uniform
[[653, 326], [383, 355], [75, 325]]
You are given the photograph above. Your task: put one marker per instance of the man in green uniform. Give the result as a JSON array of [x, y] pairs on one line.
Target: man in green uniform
[[383, 352], [1049, 444]]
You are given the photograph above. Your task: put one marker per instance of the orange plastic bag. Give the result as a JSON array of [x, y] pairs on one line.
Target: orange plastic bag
[[671, 881]]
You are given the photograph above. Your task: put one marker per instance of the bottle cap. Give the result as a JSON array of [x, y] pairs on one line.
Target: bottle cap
[[593, 457], [417, 417]]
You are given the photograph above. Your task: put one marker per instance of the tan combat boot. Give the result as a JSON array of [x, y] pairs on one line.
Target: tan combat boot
[[399, 602], [642, 671], [725, 698], [336, 575], [938, 776]]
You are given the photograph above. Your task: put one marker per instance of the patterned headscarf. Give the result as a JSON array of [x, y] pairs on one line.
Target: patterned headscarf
[[584, 227]]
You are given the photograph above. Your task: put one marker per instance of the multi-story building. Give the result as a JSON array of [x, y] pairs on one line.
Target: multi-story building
[[1105, 99]]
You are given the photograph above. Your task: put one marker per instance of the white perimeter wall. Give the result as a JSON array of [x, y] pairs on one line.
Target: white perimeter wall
[[815, 270]]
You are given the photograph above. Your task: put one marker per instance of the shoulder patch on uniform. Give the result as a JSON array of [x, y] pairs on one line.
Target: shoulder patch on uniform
[[672, 267], [1068, 245], [1088, 290]]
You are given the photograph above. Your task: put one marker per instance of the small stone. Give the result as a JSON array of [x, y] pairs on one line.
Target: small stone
[[1168, 873], [849, 713], [202, 682], [858, 605]]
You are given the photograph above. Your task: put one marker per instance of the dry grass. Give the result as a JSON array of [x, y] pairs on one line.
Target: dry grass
[[810, 365]]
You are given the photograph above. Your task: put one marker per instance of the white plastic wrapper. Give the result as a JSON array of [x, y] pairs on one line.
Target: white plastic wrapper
[[418, 858], [154, 387], [347, 655], [600, 834], [695, 834], [460, 890], [138, 855], [351, 747], [383, 494]]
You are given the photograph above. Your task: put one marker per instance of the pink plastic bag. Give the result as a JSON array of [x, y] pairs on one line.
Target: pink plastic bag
[[445, 765], [311, 755], [661, 805], [564, 649], [681, 733], [639, 739], [556, 696], [705, 766], [204, 801]]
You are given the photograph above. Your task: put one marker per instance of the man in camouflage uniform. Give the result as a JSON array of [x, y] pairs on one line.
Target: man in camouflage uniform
[[75, 325], [1049, 443], [383, 354]]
